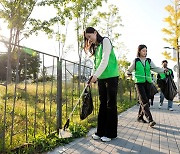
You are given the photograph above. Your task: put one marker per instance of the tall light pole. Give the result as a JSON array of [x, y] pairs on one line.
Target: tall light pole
[[177, 48], [178, 71]]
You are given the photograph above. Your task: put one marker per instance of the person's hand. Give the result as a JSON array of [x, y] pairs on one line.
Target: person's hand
[[87, 45], [92, 79], [166, 70], [129, 74]]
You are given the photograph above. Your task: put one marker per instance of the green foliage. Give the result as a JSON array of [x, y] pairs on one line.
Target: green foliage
[[44, 142], [123, 66], [16, 14], [78, 130], [3, 64], [46, 78], [172, 31], [62, 14], [125, 104], [110, 23], [79, 78], [32, 60], [66, 10]]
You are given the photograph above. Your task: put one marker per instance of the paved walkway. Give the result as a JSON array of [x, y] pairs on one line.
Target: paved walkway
[[135, 137]]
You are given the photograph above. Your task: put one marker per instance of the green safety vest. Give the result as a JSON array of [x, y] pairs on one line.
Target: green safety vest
[[112, 69], [142, 73], [163, 75]]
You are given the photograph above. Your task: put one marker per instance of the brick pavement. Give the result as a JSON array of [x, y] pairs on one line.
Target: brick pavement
[[135, 137]]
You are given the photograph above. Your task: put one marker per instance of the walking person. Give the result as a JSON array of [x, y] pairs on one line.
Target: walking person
[[106, 72], [162, 76], [143, 80]]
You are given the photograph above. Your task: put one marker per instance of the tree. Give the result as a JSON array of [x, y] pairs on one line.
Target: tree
[[173, 30], [123, 66], [31, 59], [26, 55], [3, 64], [110, 24], [82, 10], [16, 13], [77, 10], [57, 25]]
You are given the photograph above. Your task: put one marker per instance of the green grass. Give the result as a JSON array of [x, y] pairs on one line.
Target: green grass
[[44, 142]]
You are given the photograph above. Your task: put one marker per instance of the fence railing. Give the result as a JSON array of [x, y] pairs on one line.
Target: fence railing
[[28, 101]]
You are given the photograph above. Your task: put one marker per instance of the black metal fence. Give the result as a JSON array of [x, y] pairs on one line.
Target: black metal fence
[[38, 91], [72, 86], [28, 100]]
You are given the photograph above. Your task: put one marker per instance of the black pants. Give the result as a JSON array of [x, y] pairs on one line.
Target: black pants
[[107, 117], [152, 100], [143, 90]]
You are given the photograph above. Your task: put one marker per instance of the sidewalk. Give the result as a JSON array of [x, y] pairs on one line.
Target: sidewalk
[[135, 137]]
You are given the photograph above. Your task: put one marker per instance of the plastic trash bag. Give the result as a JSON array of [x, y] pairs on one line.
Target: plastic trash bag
[[168, 87], [153, 90], [87, 104]]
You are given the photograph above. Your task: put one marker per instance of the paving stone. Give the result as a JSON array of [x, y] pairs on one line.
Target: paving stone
[[164, 151], [134, 137]]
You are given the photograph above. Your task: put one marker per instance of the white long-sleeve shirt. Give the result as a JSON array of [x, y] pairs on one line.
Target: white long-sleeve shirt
[[154, 68], [105, 57]]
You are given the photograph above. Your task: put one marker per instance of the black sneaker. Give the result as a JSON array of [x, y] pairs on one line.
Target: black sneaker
[[141, 120], [152, 123]]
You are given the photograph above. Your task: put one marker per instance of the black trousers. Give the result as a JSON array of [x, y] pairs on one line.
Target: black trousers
[[143, 90], [107, 117], [152, 100]]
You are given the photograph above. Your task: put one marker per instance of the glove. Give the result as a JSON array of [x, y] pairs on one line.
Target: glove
[[128, 73], [168, 73]]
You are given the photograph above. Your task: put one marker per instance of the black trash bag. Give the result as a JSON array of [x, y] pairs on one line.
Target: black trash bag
[[87, 104], [153, 90], [171, 89], [168, 88]]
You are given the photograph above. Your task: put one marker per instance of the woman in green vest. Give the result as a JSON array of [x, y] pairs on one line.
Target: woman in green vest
[[143, 80], [106, 72]]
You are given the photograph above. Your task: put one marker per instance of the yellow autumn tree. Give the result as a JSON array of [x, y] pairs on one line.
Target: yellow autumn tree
[[172, 31]]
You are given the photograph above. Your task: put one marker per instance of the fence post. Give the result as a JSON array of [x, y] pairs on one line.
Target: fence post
[[59, 94]]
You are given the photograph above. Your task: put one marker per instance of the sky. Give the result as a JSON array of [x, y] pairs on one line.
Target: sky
[[143, 23]]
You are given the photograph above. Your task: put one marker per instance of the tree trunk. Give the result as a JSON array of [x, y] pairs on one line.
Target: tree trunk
[[9, 69]]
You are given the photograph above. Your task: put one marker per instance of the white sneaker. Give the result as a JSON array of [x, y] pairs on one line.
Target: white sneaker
[[95, 137], [105, 139], [160, 106], [170, 109]]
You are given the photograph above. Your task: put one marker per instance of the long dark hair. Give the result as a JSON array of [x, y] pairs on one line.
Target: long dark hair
[[92, 47], [140, 47]]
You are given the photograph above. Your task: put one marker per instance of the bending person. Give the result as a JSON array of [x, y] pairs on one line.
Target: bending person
[[106, 72]]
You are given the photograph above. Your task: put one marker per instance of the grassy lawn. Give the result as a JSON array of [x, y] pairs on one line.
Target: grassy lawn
[[38, 111]]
